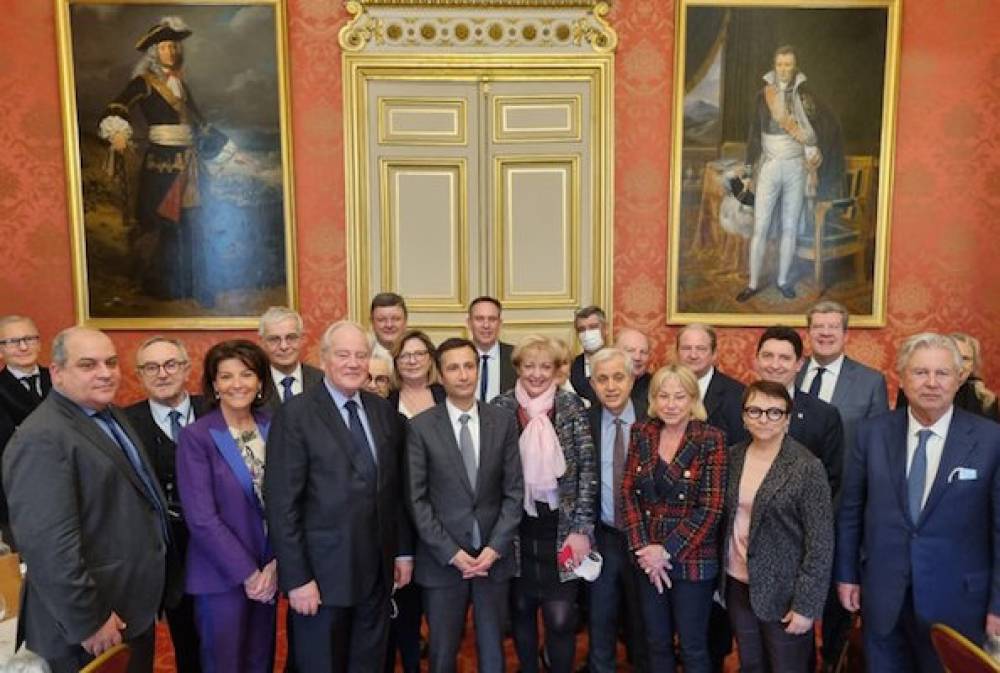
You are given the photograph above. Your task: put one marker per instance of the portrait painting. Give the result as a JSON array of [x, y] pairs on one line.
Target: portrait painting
[[782, 159], [178, 159]]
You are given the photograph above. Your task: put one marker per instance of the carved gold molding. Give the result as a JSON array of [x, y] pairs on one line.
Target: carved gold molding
[[479, 4]]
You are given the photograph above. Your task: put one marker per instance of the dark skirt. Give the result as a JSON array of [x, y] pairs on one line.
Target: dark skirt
[[539, 577]]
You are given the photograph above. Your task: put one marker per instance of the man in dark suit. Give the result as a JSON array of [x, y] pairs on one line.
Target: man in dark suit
[[591, 326], [282, 335], [496, 371], [89, 514], [636, 346], [23, 385], [858, 392], [163, 367], [919, 517], [465, 490], [814, 423], [335, 510], [722, 396], [615, 588]]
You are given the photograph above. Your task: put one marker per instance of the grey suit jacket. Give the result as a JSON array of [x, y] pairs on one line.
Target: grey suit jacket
[[860, 393], [311, 377], [444, 504], [86, 527], [790, 548]]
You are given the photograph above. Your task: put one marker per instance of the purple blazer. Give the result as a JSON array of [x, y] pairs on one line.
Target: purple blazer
[[225, 517]]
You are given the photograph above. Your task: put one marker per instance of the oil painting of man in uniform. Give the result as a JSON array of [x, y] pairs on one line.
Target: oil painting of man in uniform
[[181, 160], [781, 114]]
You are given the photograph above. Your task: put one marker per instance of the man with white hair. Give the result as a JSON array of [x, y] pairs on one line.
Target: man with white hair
[[921, 498], [282, 336]]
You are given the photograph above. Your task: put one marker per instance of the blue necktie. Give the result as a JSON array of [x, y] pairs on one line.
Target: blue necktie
[[132, 453], [484, 378], [175, 424], [286, 383], [358, 431], [817, 382], [917, 478]]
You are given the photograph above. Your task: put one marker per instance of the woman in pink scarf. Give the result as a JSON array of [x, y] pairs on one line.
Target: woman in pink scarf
[[560, 483]]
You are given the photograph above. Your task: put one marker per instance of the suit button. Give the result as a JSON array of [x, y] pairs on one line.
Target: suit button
[[680, 496], [648, 513]]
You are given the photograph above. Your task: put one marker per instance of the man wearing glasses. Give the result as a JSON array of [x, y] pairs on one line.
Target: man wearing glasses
[[163, 367], [23, 384], [282, 337]]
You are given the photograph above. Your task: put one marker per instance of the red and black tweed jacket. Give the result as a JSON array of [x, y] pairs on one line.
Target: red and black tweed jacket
[[678, 505]]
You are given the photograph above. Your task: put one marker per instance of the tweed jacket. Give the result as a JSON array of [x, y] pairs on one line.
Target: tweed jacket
[[579, 484], [681, 508], [790, 547]]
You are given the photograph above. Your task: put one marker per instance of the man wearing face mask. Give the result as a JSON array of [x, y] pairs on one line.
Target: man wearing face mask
[[795, 140], [591, 329]]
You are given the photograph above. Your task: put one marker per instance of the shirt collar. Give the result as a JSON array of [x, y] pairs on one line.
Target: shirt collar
[[278, 375], [939, 428], [339, 398], [707, 378], [834, 367], [21, 373], [161, 412], [627, 415], [454, 412], [493, 352]]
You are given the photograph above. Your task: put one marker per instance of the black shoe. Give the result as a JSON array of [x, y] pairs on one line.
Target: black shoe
[[787, 291], [746, 293]]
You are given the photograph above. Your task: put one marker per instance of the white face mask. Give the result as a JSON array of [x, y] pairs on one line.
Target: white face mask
[[591, 340], [590, 568]]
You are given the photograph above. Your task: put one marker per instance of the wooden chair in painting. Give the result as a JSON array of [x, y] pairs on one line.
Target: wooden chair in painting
[[843, 227], [958, 654], [114, 660]]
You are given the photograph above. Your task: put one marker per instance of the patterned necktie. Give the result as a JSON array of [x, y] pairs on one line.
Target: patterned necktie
[[358, 431], [286, 384], [468, 451], [618, 470], [484, 378], [916, 480], [817, 382], [132, 454], [175, 424], [31, 383]]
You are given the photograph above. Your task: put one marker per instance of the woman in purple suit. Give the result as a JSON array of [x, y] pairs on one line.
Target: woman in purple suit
[[231, 570]]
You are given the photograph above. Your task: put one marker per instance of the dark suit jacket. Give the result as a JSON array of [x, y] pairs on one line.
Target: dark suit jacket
[[86, 528], [860, 393], [949, 556], [594, 416], [640, 394], [816, 425], [225, 516], [444, 504], [790, 547], [329, 521], [508, 375], [580, 381], [15, 405], [724, 404], [437, 392], [311, 377]]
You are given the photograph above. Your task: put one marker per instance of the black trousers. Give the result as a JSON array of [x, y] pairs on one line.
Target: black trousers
[[764, 647], [320, 645]]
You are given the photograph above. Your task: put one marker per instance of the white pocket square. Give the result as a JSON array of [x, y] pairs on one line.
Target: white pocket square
[[963, 474]]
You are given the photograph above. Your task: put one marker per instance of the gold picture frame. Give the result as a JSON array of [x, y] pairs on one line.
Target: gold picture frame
[[830, 139], [178, 162]]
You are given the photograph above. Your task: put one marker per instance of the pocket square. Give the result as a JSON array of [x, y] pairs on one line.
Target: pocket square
[[963, 474]]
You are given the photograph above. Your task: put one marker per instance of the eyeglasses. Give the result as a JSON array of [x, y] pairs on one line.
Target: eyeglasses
[[153, 368], [414, 356], [380, 380], [275, 339], [772, 413], [30, 340]]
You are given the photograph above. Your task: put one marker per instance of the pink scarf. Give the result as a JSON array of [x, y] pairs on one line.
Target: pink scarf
[[541, 455]]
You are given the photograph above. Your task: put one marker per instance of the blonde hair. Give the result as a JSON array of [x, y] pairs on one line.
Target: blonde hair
[[689, 383], [554, 348], [985, 396]]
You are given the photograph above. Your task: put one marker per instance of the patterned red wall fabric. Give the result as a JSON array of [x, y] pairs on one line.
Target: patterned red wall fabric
[[942, 272]]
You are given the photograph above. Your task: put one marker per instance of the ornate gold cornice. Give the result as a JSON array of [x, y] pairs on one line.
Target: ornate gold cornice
[[482, 3]]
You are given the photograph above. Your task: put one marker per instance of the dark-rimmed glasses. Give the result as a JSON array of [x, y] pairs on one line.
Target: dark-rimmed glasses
[[30, 340], [772, 413], [153, 368]]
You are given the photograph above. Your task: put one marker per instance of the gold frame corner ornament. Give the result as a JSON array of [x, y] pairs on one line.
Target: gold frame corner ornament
[[360, 29], [596, 30]]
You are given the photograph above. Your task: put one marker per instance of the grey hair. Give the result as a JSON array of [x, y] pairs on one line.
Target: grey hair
[[927, 340], [827, 306], [331, 331], [160, 339], [15, 318], [276, 314], [60, 353], [608, 354]]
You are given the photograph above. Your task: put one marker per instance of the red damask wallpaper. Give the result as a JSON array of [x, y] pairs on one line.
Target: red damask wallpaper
[[942, 272]]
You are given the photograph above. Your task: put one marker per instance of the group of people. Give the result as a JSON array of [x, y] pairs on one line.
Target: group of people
[[405, 479]]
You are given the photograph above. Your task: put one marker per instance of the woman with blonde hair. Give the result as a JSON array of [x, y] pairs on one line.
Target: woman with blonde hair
[[560, 486], [672, 492]]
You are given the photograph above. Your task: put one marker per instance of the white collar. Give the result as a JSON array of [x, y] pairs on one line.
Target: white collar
[[277, 375], [939, 428], [834, 367], [454, 413], [493, 353], [707, 378], [161, 412], [21, 373]]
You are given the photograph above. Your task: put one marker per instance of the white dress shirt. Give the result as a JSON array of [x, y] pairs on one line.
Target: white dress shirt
[[829, 381], [704, 382], [492, 370], [454, 413], [279, 376], [161, 414], [935, 445]]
